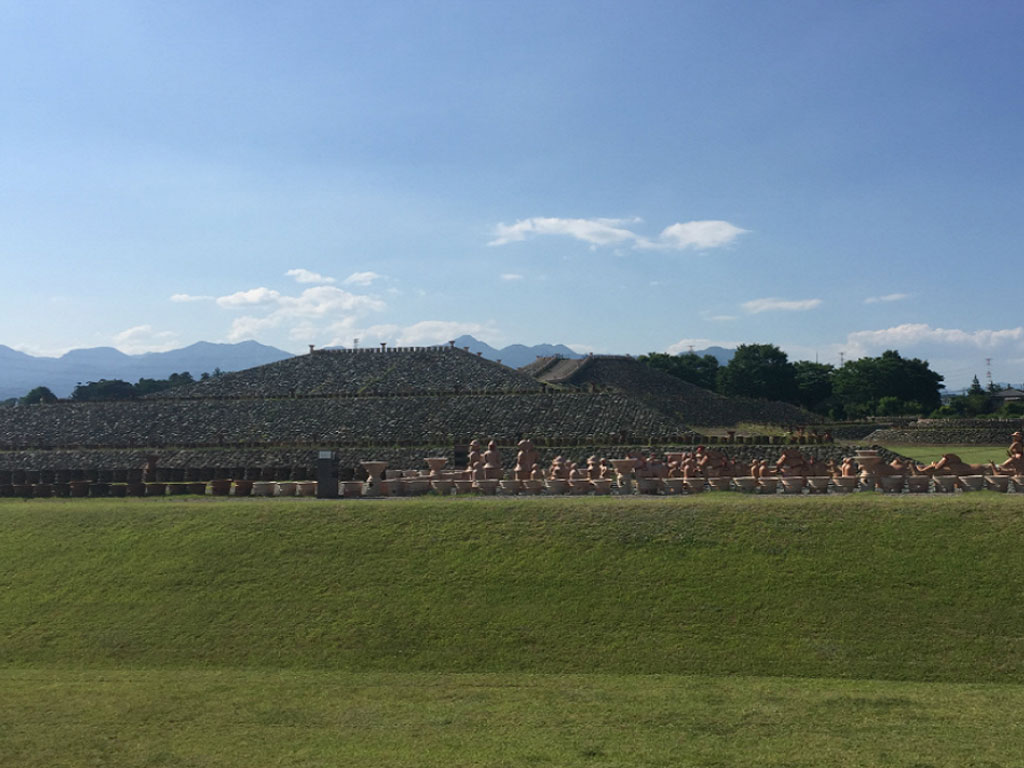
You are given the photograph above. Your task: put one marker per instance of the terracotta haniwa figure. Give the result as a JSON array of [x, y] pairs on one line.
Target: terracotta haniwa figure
[[712, 463], [558, 469], [1016, 449], [1015, 464], [526, 460], [492, 462], [951, 464], [474, 461], [849, 468], [593, 468], [791, 463]]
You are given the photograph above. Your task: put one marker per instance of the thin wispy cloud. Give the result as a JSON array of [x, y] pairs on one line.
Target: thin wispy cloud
[[511, 277], [183, 298], [144, 338], [362, 279], [756, 306], [918, 335], [252, 297], [305, 276], [887, 298], [697, 235]]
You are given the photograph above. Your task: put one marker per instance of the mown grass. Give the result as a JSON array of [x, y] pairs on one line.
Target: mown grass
[[972, 454], [915, 589], [242, 718], [715, 630]]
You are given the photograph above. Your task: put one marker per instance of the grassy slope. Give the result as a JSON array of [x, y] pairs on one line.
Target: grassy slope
[[250, 632], [914, 589]]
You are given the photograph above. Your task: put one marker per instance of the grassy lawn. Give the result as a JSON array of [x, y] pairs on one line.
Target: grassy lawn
[[972, 454], [716, 630], [245, 717]]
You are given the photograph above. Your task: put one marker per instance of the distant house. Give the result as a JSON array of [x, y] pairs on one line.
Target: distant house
[[1008, 395]]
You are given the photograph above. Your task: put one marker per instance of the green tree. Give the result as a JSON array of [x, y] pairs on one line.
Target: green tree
[[38, 395], [701, 370], [861, 384], [104, 389], [814, 385], [759, 370]]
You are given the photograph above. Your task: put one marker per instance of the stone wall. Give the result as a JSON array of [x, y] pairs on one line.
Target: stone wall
[[950, 432]]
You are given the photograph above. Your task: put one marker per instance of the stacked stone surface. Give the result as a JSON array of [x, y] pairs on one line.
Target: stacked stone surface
[[435, 419], [676, 398], [374, 404], [364, 372]]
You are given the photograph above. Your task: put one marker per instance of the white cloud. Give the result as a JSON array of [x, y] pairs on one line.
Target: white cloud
[[325, 300], [511, 276], [694, 234], [248, 327], [428, 332], [362, 278], [142, 338], [757, 306], [593, 231], [305, 276], [252, 297], [314, 312], [887, 298], [602, 232], [911, 335], [186, 297]]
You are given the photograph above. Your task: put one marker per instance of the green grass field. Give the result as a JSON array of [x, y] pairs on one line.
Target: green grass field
[[717, 630], [972, 454]]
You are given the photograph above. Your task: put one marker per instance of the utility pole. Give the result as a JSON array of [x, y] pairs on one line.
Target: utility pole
[[988, 371]]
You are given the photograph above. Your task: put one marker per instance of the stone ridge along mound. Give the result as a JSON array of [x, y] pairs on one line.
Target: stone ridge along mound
[[353, 372], [677, 399]]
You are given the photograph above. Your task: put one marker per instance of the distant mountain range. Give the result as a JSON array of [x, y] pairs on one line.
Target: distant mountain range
[[21, 372]]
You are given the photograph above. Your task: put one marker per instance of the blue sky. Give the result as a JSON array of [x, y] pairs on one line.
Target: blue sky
[[840, 177]]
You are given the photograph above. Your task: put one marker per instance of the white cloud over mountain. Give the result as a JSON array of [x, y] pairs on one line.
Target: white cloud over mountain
[[604, 232]]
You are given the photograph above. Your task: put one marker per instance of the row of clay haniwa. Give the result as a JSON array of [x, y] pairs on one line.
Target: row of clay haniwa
[[413, 486], [416, 486]]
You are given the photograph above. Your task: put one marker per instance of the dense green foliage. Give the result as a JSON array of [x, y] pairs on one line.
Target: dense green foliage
[[759, 370], [117, 389], [38, 395], [701, 370], [888, 385]]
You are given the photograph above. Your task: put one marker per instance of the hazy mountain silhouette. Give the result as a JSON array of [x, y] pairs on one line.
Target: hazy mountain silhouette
[[20, 372]]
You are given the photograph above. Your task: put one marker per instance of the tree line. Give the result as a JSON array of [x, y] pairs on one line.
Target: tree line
[[110, 389], [887, 385]]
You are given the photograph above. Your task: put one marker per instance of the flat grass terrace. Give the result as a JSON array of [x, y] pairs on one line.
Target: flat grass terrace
[[866, 630]]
